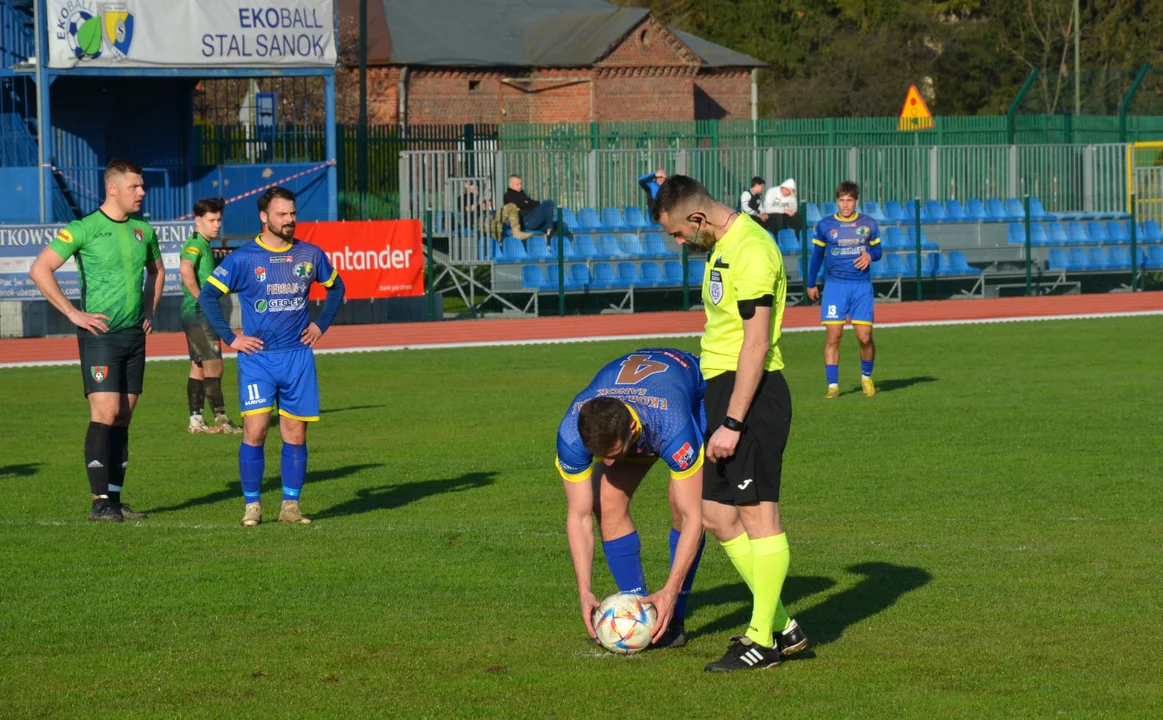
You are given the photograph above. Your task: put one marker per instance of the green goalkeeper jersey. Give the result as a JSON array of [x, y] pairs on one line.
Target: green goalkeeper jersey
[[111, 259], [197, 250]]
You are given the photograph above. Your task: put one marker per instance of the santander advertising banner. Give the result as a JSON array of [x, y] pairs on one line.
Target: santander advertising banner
[[375, 258]]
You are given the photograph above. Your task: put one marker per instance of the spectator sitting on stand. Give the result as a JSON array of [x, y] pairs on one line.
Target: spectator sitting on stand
[[535, 216], [751, 201], [782, 205], [650, 182]]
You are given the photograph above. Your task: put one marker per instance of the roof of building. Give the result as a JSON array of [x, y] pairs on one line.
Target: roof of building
[[512, 33]]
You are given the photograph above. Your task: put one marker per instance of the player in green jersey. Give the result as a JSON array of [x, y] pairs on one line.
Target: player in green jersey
[[111, 249], [205, 380]]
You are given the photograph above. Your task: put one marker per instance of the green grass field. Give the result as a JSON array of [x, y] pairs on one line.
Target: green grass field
[[982, 538]]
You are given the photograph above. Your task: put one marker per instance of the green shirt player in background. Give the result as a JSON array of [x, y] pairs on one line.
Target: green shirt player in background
[[111, 249], [205, 380]]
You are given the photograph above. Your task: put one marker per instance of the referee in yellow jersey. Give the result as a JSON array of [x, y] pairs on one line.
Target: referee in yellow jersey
[[748, 408]]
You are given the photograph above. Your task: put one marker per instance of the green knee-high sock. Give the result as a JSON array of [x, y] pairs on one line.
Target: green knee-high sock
[[769, 562], [739, 552]]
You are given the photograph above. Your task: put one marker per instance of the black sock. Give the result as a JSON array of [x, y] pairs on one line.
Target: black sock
[[196, 395], [97, 457], [118, 460], [214, 395]]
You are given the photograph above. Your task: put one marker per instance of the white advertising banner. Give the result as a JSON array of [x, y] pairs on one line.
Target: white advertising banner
[[191, 33]]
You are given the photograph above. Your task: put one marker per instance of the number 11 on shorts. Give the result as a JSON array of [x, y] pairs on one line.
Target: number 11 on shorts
[[252, 393]]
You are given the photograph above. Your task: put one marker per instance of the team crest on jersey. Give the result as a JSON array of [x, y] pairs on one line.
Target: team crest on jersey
[[137, 233], [260, 274], [65, 236], [716, 286], [99, 372], [862, 230], [303, 270], [834, 233], [684, 456]]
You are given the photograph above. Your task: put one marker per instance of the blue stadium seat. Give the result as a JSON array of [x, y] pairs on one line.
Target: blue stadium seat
[[635, 219], [579, 275], [538, 249], [656, 246], [588, 221], [1038, 236], [1118, 259], [632, 246], [1014, 208], [1078, 261], [608, 247], [911, 264], [789, 244], [811, 213], [612, 219], [975, 210], [1096, 233], [879, 269], [895, 266], [1116, 232], [551, 279], [651, 274], [1037, 211], [604, 276], [1075, 234], [569, 219], [960, 266], [514, 250], [872, 209], [997, 213], [695, 269], [1057, 234], [1097, 259], [925, 244], [954, 212], [1016, 234], [531, 277], [1155, 257], [567, 247], [1151, 231], [909, 209], [584, 248], [829, 208], [893, 240], [672, 269], [935, 211], [893, 211], [1058, 260], [627, 275]]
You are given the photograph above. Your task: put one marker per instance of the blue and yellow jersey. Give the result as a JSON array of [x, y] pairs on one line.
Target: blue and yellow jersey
[[272, 287], [842, 240], [663, 390]]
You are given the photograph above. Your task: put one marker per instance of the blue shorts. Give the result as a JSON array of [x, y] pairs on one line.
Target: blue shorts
[[851, 300], [286, 377]]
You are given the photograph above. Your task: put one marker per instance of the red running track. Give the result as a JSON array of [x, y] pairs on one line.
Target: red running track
[[55, 350]]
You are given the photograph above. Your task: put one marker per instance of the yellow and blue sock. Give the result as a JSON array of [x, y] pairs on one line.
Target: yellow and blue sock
[[680, 603], [294, 470], [624, 558], [866, 368], [251, 465], [769, 563], [833, 374]]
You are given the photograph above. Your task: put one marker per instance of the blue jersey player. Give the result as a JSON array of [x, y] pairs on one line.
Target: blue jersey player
[[846, 244], [639, 408], [272, 276]]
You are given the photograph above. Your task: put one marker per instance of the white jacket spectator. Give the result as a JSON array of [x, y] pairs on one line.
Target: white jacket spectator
[[781, 200]]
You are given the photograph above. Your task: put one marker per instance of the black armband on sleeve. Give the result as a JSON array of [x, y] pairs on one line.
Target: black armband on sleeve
[[747, 307]]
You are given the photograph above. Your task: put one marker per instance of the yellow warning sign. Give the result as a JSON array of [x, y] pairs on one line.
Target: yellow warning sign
[[915, 114]]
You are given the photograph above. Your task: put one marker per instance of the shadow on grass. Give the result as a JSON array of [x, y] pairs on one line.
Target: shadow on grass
[[348, 409], [883, 386], [387, 497], [22, 470], [270, 484], [882, 585]]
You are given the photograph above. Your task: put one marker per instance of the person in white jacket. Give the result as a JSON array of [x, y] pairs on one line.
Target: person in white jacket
[[781, 206]]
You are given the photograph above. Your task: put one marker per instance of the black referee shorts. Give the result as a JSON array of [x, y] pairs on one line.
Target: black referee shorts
[[113, 361], [753, 473]]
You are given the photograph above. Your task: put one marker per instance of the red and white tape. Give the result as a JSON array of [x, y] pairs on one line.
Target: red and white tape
[[268, 186]]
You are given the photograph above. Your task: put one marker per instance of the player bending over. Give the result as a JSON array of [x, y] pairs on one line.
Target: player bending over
[[640, 407], [205, 380], [846, 244], [272, 276]]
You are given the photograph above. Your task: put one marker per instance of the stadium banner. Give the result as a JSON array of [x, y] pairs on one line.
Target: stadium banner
[[20, 244], [191, 33], [375, 258]]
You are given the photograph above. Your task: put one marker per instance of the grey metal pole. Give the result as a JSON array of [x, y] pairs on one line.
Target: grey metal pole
[[39, 113]]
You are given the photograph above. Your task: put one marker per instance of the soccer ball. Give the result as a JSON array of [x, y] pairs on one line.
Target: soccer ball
[[624, 624]]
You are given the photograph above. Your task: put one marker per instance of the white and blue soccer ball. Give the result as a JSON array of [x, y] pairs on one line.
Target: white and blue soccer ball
[[624, 623]]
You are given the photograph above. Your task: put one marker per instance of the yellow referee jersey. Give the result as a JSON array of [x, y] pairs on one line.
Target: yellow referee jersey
[[744, 265]]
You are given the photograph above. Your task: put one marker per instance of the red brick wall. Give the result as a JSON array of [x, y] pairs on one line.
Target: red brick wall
[[650, 44], [723, 91], [640, 96]]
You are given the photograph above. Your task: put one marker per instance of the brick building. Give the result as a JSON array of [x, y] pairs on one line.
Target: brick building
[[536, 61]]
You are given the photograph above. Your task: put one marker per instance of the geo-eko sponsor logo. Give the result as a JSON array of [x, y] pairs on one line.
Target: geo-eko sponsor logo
[[284, 304]]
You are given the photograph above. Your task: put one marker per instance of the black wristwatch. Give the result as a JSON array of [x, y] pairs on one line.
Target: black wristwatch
[[732, 424]]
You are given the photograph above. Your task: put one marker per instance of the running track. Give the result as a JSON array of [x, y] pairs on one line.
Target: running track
[[462, 333]]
